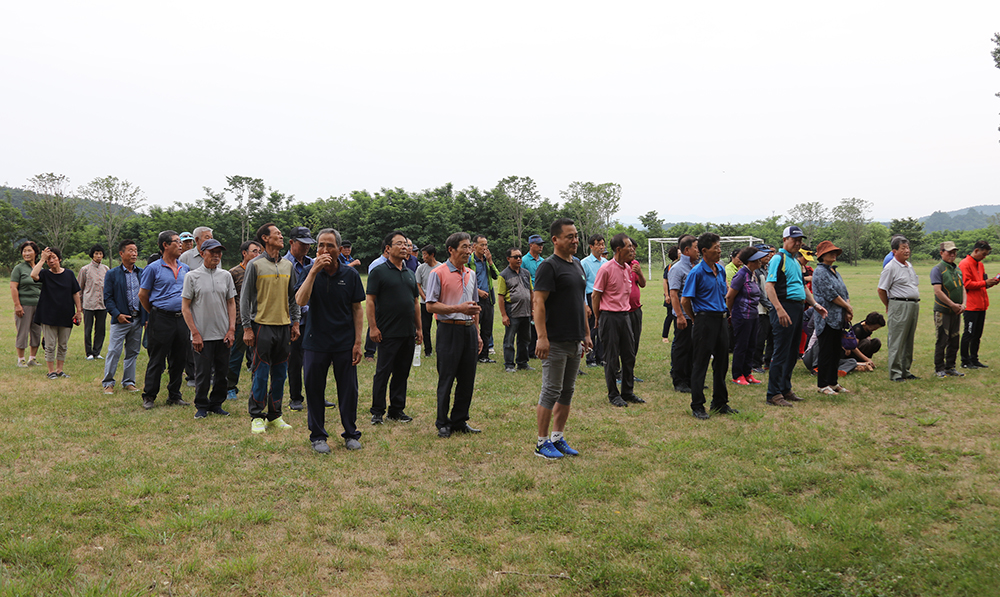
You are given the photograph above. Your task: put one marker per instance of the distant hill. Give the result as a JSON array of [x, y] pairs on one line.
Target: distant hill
[[19, 196], [967, 218]]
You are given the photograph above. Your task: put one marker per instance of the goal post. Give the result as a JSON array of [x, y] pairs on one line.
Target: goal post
[[728, 244]]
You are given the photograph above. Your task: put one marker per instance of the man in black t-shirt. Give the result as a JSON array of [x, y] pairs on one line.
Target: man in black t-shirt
[[332, 338], [561, 322], [394, 323]]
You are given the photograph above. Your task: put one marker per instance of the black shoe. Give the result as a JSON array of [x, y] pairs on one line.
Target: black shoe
[[201, 413], [218, 411], [581, 372], [486, 360], [618, 401], [638, 380], [444, 432], [376, 419], [634, 399], [899, 379], [594, 365], [969, 366], [465, 428], [295, 405], [726, 410], [526, 368], [400, 418], [683, 388], [700, 414], [178, 402], [328, 404], [980, 364], [147, 404], [911, 376]]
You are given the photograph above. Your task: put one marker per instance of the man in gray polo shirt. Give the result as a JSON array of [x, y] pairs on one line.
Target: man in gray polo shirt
[[899, 290], [208, 303], [681, 349]]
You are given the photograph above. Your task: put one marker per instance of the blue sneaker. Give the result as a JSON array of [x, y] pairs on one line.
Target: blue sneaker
[[548, 451], [231, 395], [563, 447]]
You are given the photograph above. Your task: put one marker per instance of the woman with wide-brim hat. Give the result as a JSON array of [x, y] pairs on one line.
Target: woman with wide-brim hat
[[830, 291]]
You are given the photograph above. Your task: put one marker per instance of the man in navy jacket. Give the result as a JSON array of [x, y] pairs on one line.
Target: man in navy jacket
[[121, 298]]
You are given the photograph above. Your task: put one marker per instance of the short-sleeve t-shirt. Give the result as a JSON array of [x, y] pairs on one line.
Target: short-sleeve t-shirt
[[566, 284], [163, 286], [394, 290], [748, 294], [949, 276], [209, 291], [27, 289], [330, 325], [423, 270], [790, 284], [55, 304]]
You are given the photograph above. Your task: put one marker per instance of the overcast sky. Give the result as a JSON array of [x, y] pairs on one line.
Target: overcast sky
[[721, 111]]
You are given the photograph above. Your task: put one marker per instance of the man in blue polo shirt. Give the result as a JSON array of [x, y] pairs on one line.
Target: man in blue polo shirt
[[704, 302], [530, 262], [591, 263], [169, 337], [788, 294]]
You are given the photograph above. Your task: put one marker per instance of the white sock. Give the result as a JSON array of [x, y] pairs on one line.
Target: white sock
[[542, 440], [556, 436]]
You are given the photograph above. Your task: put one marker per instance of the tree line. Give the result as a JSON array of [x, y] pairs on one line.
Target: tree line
[[107, 209]]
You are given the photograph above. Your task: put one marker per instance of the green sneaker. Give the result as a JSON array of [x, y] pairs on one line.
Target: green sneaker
[[279, 423], [257, 426]]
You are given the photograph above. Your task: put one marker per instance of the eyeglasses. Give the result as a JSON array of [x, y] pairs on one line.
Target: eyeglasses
[[401, 245]]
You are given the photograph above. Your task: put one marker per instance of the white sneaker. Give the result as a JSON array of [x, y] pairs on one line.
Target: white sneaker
[[100, 358], [90, 357], [32, 362], [21, 362]]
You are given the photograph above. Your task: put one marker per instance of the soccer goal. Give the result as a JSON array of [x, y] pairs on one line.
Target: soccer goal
[[661, 260]]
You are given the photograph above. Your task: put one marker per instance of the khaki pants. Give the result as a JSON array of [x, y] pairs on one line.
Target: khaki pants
[[901, 321]]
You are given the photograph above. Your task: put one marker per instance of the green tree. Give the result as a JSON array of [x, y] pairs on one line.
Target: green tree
[[12, 232], [912, 230], [850, 219], [518, 197], [811, 217], [875, 241], [592, 206], [249, 194], [113, 203], [653, 224], [52, 212], [996, 55]]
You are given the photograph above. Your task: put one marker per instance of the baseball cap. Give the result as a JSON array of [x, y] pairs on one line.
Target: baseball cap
[[210, 244], [186, 236], [301, 234], [760, 254], [535, 239], [792, 232], [948, 246]]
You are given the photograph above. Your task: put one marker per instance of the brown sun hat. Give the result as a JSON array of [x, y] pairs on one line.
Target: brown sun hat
[[825, 247]]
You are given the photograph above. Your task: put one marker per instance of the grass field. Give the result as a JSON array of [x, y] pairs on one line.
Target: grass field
[[889, 490]]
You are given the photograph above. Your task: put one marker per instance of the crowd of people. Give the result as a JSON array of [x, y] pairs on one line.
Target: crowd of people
[[294, 317]]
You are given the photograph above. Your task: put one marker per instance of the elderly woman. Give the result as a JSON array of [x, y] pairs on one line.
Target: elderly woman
[[60, 293], [831, 292], [741, 300], [24, 290]]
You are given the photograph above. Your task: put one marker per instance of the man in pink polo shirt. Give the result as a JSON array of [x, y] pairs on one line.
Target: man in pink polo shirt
[[610, 299]]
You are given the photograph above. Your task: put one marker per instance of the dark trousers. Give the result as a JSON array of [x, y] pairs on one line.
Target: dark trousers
[[869, 346], [456, 365], [515, 342], [426, 319], [236, 355], [295, 365], [169, 345], [974, 323], [710, 337], [189, 364], [596, 355], [680, 356], [786, 348], [90, 317], [209, 394], [830, 352], [370, 345], [745, 340], [635, 318], [669, 319], [765, 342], [485, 326], [315, 366], [948, 326], [533, 333], [619, 347], [395, 356], [270, 360]]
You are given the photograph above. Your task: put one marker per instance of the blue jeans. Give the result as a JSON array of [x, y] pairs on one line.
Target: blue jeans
[[128, 335], [786, 348]]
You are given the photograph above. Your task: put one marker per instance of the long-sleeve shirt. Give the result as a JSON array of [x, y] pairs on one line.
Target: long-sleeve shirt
[[268, 286], [827, 286], [974, 278]]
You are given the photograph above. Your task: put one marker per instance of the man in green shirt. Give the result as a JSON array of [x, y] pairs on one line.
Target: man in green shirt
[[949, 303]]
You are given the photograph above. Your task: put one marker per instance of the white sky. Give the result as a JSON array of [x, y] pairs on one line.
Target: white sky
[[722, 111]]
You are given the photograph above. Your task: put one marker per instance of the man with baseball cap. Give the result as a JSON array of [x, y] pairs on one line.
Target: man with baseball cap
[[786, 289], [300, 241], [949, 302], [530, 262]]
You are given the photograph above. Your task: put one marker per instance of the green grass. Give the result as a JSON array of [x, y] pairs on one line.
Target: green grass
[[891, 490]]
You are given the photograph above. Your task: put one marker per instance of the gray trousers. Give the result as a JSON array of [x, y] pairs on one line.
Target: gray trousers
[[901, 321], [559, 372], [129, 337]]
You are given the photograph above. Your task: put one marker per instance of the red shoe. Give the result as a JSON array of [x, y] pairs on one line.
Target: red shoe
[[741, 381], [753, 380]]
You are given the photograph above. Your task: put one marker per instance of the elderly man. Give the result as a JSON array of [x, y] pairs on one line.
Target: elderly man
[[949, 302], [977, 302], [168, 336], [345, 255], [248, 250], [270, 319], [481, 263], [193, 259], [680, 350], [393, 310], [899, 291], [530, 262], [787, 291], [187, 242], [208, 302], [429, 253], [332, 339], [94, 312], [591, 263], [610, 304], [121, 297], [514, 290], [452, 298], [300, 240]]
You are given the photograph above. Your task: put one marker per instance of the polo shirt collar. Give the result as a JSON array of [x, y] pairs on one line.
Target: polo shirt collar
[[686, 259]]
